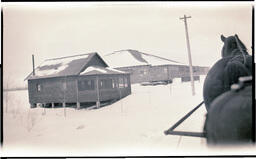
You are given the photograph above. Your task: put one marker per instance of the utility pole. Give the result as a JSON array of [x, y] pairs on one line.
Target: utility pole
[[33, 62], [189, 54]]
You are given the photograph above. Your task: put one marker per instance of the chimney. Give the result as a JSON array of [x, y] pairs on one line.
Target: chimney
[[33, 65]]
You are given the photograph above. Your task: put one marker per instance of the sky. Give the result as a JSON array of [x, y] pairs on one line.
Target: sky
[[50, 30]]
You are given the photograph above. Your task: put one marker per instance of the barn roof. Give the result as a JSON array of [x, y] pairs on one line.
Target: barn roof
[[129, 57], [64, 66], [97, 70]]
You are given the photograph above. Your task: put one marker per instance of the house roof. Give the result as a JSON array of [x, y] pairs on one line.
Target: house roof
[[97, 70], [64, 66], [129, 57]]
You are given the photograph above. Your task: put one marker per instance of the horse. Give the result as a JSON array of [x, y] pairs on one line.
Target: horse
[[229, 106], [229, 119], [235, 63]]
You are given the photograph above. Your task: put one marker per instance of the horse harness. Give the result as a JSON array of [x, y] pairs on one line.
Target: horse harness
[[240, 50]]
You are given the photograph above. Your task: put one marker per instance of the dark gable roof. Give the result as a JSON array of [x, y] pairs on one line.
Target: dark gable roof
[[64, 66]]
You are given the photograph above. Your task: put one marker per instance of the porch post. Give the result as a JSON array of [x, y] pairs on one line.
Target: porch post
[[64, 106], [44, 109], [64, 100], [98, 93], [77, 94]]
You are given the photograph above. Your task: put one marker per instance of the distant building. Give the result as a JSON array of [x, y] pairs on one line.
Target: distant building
[[76, 79], [145, 67]]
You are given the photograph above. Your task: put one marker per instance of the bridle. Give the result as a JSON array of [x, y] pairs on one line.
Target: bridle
[[240, 49]]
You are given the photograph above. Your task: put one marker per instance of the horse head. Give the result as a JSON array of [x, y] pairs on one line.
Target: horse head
[[232, 46]]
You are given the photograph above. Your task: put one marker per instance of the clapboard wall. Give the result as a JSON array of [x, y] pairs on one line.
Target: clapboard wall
[[148, 73]]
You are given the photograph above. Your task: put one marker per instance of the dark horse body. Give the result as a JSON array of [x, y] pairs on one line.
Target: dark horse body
[[229, 120], [229, 116], [235, 63]]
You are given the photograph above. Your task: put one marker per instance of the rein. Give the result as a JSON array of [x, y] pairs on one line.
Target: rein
[[240, 49]]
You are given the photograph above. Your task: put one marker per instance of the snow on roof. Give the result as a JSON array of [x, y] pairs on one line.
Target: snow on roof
[[127, 58], [54, 66], [93, 70], [157, 61], [63, 66], [123, 59]]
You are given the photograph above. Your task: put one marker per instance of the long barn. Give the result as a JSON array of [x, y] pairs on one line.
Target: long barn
[[76, 79], [145, 67]]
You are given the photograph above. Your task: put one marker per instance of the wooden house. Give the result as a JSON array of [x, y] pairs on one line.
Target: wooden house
[[76, 79], [144, 67]]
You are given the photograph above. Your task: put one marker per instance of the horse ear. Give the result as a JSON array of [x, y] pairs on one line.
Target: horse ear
[[223, 38]]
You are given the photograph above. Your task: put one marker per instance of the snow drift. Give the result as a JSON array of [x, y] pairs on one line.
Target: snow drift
[[133, 126]]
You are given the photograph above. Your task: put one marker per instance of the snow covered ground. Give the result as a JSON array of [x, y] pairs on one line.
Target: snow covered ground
[[133, 126]]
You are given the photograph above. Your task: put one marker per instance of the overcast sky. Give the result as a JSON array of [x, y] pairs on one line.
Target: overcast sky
[[64, 29]]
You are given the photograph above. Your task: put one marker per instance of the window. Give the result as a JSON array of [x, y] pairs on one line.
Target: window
[[143, 72], [101, 84], [165, 70], [113, 83], [195, 69], [121, 82], [64, 86], [106, 84], [174, 68], [183, 69], [86, 85], [38, 87], [125, 82]]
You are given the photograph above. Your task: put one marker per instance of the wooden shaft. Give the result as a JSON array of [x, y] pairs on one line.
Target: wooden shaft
[[184, 118], [184, 133]]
